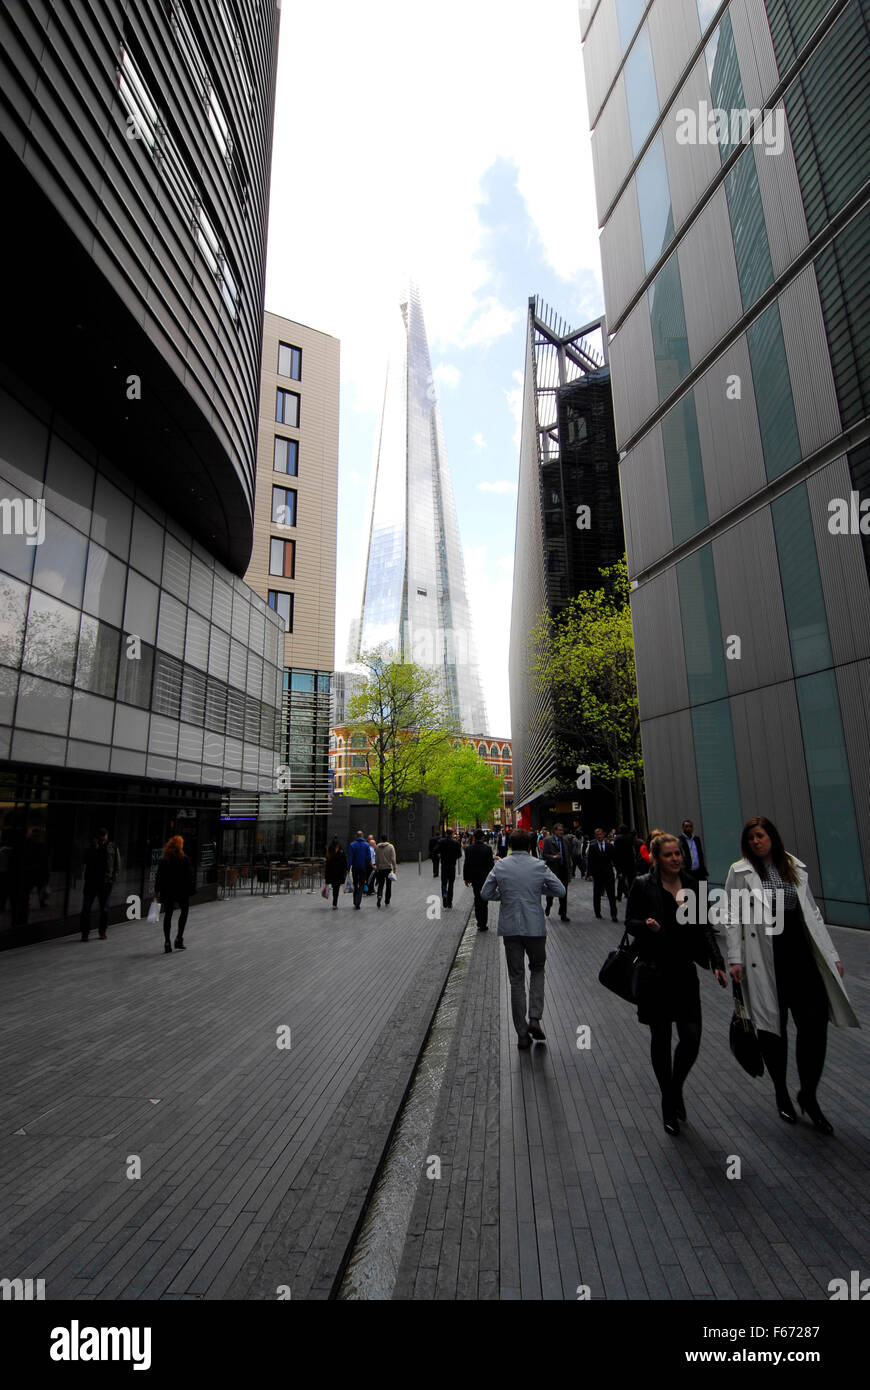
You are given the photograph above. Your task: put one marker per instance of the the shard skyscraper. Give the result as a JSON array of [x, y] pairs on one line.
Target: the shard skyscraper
[[414, 596]]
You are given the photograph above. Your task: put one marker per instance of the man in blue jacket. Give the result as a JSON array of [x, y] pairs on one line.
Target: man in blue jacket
[[359, 861], [518, 884]]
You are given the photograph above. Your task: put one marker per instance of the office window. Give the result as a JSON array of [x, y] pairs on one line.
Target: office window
[[801, 582], [751, 248], [668, 324], [687, 494], [286, 458], [726, 84], [628, 17], [654, 201], [640, 90], [773, 397], [284, 506], [702, 628], [283, 606], [843, 273], [282, 558], [97, 665], [290, 361], [287, 408], [792, 22], [706, 11], [718, 791]]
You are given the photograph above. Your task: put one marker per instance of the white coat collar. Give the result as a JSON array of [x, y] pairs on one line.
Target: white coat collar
[[743, 866]]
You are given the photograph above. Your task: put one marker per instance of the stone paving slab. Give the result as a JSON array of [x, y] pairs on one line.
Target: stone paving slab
[[581, 1186], [255, 1160]]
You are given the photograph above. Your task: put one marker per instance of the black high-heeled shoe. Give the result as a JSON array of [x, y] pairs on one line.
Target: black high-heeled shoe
[[785, 1108], [679, 1106], [669, 1117], [811, 1108]]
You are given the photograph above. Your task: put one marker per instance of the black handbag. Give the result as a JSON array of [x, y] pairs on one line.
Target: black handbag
[[617, 972], [742, 1037], [648, 985]]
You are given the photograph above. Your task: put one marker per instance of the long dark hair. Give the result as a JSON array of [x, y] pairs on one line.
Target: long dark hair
[[333, 848], [781, 861]]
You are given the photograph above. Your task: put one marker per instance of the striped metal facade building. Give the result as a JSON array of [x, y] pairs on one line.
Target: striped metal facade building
[[731, 145]]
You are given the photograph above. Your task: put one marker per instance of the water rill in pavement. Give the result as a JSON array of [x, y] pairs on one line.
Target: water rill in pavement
[[373, 1267]]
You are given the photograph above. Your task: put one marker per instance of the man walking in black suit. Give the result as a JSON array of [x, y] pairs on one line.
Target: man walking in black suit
[[601, 869], [434, 845], [503, 842], [554, 852], [475, 871], [693, 851], [449, 852]]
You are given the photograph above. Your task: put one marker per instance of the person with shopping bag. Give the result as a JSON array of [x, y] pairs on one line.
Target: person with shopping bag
[[789, 966], [385, 870], [174, 885]]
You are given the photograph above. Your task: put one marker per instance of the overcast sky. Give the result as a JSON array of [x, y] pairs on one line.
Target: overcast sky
[[450, 143]]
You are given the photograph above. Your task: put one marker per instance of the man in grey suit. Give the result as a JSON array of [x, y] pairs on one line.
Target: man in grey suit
[[518, 884]]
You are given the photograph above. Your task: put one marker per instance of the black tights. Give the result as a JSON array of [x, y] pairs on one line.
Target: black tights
[[671, 1075], [811, 1045], [169, 907], [336, 889]]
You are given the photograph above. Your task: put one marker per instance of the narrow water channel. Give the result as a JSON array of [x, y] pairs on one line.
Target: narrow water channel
[[373, 1267]]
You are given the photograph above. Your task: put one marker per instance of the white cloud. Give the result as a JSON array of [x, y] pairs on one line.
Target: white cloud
[[501, 487], [492, 322], [478, 441], [446, 374]]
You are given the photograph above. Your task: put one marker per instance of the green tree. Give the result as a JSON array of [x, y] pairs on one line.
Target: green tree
[[466, 786], [401, 721], [584, 657]]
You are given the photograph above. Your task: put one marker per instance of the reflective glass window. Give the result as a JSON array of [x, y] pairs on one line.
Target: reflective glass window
[[702, 628], [287, 408], [104, 585], [171, 626], [135, 675], [284, 506], [176, 567], [146, 544], [687, 494], [726, 84], [718, 789], [216, 706], [140, 610], [668, 323], [640, 90], [20, 526], [112, 518], [222, 605], [628, 16], [706, 12], [43, 705], [801, 582], [51, 638], [196, 646], [282, 558], [167, 686], [61, 559], [193, 687], [13, 617], [283, 606], [290, 361], [97, 665], [773, 396], [654, 202], [69, 484], [286, 458], [302, 682], [751, 248]]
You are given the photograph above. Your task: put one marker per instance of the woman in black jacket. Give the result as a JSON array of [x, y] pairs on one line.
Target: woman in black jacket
[[173, 885], [335, 871], [669, 991]]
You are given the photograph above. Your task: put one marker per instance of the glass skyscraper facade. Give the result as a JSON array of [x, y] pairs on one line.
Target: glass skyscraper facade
[[731, 145], [415, 598]]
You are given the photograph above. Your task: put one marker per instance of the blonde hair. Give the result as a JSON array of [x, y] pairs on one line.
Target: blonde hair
[[658, 839]]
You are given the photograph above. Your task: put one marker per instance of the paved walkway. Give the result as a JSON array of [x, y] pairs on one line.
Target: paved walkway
[[256, 1161], [557, 1172]]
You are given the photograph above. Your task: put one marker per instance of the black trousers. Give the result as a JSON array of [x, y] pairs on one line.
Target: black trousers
[[336, 889], [606, 885], [799, 989], [563, 876], [169, 906], [383, 882], [448, 878], [434, 865], [101, 892], [481, 905], [360, 879]]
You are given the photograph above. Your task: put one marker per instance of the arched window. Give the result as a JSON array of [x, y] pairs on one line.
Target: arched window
[[505, 750], [493, 750], [481, 748]]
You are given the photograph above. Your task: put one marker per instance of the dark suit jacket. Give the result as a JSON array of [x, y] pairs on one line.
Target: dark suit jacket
[[701, 871], [600, 865], [478, 864], [449, 852], [559, 863], [646, 900]]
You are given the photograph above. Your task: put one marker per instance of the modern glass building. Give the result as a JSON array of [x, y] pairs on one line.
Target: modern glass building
[[731, 145], [414, 597], [569, 528], [140, 677]]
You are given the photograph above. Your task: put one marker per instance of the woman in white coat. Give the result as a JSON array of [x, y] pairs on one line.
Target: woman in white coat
[[787, 962]]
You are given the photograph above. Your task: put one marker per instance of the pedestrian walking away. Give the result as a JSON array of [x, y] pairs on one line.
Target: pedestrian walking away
[[601, 870], [434, 844], [476, 868], [359, 856], [623, 861], [670, 949], [449, 852], [787, 964], [100, 869], [335, 871], [385, 870], [517, 884], [174, 885], [554, 852]]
